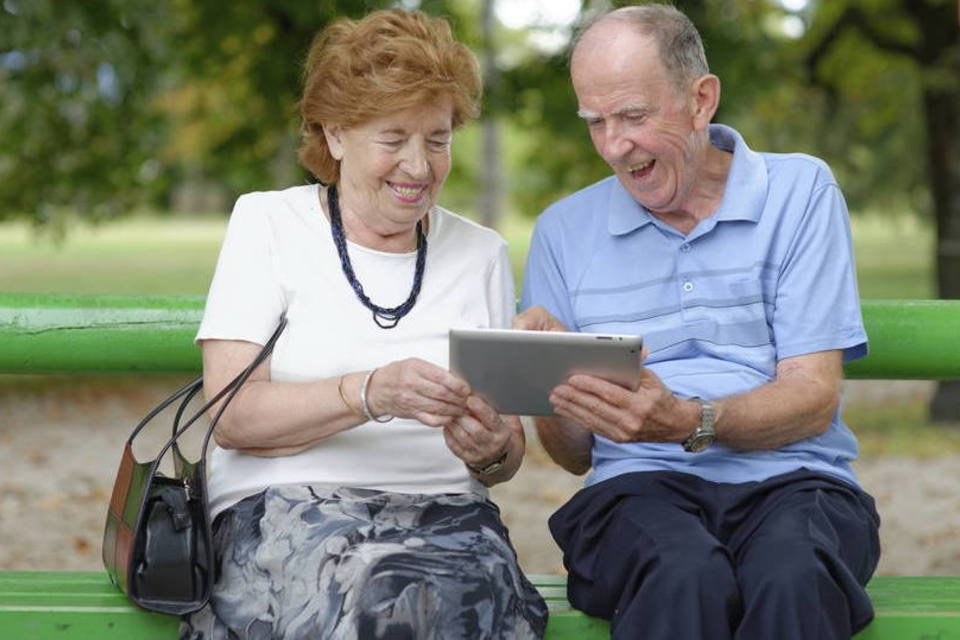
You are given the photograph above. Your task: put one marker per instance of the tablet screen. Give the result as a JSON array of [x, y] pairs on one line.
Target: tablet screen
[[515, 371]]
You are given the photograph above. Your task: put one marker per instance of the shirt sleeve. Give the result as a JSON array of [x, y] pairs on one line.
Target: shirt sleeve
[[500, 290], [246, 300], [544, 281], [817, 302]]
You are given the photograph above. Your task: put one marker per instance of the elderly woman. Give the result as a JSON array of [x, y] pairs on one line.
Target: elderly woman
[[349, 485]]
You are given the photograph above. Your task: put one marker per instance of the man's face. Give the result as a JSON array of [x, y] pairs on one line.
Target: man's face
[[638, 121]]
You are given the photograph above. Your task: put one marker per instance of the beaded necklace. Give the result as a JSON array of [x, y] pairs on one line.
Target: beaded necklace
[[385, 318]]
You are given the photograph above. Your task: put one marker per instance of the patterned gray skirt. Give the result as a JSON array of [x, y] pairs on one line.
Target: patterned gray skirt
[[338, 564]]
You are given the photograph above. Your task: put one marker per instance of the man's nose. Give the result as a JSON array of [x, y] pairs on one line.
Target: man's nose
[[615, 141]]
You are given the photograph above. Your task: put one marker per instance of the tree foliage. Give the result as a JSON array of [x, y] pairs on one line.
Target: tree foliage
[[77, 127], [112, 103]]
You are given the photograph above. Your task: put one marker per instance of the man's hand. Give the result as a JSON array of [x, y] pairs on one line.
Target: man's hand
[[537, 319], [651, 413]]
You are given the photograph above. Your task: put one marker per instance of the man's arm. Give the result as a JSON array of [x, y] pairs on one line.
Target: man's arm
[[567, 443], [799, 403]]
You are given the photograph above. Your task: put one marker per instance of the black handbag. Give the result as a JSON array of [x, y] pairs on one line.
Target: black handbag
[[157, 542]]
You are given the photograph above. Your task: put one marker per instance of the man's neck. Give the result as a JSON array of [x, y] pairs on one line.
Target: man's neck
[[708, 186]]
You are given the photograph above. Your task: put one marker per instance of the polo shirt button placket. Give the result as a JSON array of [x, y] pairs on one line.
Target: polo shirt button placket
[[687, 286]]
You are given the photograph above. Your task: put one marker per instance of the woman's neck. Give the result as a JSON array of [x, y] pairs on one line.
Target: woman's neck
[[358, 229]]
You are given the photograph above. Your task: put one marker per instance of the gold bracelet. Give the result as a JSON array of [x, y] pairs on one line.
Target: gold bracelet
[[343, 396]]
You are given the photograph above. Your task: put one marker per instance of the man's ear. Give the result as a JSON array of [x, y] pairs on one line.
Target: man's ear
[[704, 100], [333, 135]]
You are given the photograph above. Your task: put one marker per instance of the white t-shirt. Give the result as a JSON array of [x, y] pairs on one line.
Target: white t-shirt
[[279, 257]]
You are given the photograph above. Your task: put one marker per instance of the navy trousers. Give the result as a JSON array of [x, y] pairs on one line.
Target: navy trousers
[[668, 555]]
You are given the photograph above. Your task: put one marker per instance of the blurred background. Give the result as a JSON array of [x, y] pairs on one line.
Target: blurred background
[[128, 128]]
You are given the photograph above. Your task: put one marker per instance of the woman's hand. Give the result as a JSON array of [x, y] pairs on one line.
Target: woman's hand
[[417, 389], [481, 436]]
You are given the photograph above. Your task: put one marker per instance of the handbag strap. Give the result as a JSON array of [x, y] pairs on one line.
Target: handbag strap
[[261, 357], [188, 390], [183, 406], [229, 391]]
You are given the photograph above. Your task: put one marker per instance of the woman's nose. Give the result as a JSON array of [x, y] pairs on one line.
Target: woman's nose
[[414, 161]]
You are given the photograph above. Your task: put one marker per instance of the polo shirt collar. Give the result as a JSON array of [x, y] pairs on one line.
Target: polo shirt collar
[[744, 197]]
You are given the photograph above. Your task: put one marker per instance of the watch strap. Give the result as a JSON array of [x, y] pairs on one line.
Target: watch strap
[[490, 468], [705, 434]]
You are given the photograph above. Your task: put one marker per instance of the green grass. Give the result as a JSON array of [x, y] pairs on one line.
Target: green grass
[[900, 428], [894, 257], [177, 254], [140, 255]]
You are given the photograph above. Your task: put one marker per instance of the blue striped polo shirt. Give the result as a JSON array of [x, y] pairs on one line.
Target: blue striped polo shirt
[[769, 275]]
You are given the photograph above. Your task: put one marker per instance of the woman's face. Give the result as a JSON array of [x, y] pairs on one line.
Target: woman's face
[[392, 168]]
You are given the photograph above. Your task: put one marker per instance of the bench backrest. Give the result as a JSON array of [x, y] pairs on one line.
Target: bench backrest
[[48, 333]]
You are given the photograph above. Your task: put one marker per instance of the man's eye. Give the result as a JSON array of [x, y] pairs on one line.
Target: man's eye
[[634, 118], [593, 123]]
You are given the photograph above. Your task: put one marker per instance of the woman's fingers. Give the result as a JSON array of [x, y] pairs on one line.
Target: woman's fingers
[[414, 388], [479, 435]]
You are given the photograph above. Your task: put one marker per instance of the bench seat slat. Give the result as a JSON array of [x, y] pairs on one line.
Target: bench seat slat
[[37, 605]]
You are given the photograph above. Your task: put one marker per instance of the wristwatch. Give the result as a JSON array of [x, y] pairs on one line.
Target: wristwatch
[[705, 434], [491, 468]]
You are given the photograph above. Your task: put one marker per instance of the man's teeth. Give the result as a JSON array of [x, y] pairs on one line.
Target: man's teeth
[[639, 166]]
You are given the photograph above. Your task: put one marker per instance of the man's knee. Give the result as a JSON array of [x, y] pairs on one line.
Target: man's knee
[[688, 570], [652, 579], [783, 570]]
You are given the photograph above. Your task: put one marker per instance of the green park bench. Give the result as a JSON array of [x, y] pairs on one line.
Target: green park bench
[[42, 333]]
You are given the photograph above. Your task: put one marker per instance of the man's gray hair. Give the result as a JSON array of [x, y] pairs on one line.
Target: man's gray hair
[[678, 40]]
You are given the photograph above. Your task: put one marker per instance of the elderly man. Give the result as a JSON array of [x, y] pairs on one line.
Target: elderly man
[[721, 502]]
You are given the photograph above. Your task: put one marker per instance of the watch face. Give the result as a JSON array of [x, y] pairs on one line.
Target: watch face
[[699, 443], [490, 468]]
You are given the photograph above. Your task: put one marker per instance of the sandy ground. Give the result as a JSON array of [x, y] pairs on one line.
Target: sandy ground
[[61, 437]]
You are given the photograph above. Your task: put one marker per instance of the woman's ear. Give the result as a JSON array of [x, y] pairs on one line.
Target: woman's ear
[[333, 135], [704, 98]]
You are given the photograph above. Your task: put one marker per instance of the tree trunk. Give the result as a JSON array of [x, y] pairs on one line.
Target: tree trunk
[[942, 107], [490, 171], [941, 102]]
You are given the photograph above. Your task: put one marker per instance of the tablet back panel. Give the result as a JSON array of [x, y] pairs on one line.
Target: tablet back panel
[[516, 370]]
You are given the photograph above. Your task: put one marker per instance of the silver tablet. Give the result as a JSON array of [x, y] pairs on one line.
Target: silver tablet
[[516, 370]]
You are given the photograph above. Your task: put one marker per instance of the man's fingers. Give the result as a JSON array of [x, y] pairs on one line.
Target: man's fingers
[[537, 319], [589, 410]]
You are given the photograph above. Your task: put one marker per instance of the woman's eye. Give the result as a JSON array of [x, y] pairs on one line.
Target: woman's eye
[[440, 144], [394, 144]]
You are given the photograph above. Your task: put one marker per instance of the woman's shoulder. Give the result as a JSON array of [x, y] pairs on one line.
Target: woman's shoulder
[[277, 208], [463, 229], [297, 197]]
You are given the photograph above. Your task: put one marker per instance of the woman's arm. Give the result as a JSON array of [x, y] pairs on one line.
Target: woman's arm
[[275, 418], [271, 418]]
